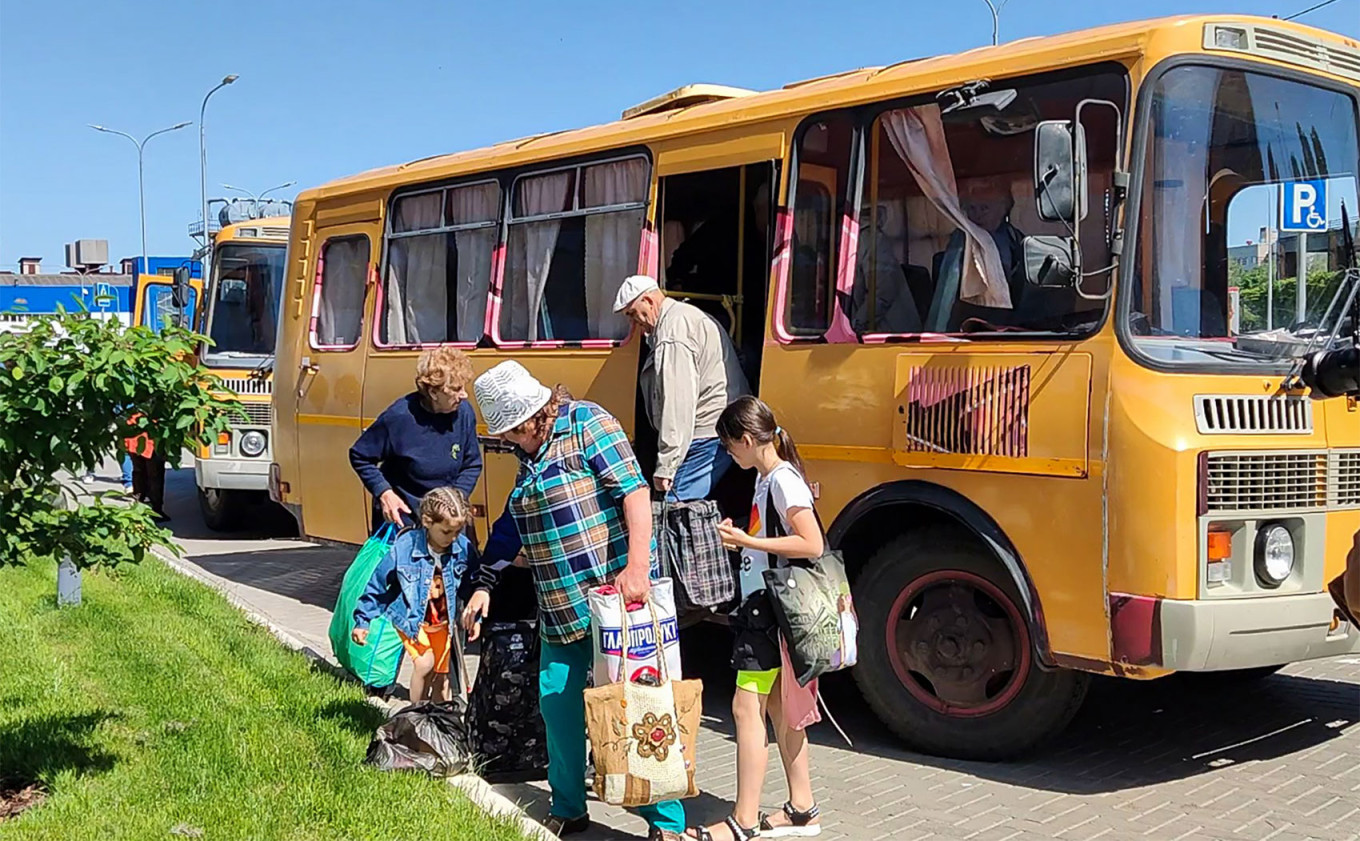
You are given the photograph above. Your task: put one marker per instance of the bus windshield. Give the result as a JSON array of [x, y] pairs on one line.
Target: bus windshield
[[1242, 194], [247, 280]]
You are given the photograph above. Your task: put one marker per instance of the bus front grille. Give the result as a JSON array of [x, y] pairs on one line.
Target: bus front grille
[[1295, 481], [257, 414]]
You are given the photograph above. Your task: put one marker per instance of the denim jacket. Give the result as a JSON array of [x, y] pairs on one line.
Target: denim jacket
[[400, 586]]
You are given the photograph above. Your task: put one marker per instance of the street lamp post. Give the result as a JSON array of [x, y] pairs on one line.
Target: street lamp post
[[203, 165], [254, 197], [141, 180], [996, 8]]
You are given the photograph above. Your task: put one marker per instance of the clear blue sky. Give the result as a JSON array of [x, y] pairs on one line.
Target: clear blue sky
[[332, 88]]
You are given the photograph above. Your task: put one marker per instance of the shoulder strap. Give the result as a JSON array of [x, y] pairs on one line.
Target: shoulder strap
[[774, 526], [776, 523]]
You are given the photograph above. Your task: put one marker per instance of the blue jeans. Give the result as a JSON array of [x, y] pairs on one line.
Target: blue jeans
[[127, 470], [562, 702], [704, 464]]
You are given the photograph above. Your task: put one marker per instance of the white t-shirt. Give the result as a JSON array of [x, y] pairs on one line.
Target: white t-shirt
[[786, 489]]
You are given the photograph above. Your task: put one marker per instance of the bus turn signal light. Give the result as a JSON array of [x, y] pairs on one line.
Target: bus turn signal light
[[1220, 546]]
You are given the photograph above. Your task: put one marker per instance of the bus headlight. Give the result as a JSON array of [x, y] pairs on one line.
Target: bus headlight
[[1274, 555], [252, 443]]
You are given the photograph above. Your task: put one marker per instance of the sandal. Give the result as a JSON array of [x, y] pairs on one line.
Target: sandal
[[738, 834], [562, 827], [800, 824]]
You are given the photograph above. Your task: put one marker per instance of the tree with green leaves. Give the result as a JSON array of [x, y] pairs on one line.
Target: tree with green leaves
[[68, 387], [1253, 284]]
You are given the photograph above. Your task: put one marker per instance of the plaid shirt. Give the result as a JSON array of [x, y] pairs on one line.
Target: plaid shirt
[[568, 506]]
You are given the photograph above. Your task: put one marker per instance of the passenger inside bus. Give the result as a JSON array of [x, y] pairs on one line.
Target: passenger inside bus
[[718, 251], [948, 201]]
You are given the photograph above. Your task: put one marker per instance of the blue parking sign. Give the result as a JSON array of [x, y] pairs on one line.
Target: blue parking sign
[[1303, 206]]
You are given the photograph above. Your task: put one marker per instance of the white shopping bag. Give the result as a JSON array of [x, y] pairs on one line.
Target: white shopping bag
[[606, 625]]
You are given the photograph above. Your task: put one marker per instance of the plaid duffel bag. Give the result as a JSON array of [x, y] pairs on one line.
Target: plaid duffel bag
[[692, 554]]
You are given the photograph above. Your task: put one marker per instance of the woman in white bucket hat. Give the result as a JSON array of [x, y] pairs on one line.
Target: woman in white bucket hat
[[583, 511]]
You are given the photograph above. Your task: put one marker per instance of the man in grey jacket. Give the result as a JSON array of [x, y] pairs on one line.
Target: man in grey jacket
[[689, 376]]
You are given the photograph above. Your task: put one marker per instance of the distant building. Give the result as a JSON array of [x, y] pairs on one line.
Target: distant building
[[106, 294], [161, 265]]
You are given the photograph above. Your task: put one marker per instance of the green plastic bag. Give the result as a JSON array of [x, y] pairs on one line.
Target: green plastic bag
[[376, 662]]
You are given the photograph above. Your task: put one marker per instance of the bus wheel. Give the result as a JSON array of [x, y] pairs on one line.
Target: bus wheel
[[221, 509], [946, 657]]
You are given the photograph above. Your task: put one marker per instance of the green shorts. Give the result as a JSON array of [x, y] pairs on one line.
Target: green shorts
[[760, 683]]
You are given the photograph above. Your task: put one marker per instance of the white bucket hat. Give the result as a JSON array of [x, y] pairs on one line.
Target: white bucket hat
[[631, 288], [508, 395]]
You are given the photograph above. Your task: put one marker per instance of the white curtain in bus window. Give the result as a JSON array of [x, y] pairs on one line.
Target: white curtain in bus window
[[972, 273], [475, 204], [417, 294], [530, 257], [612, 239], [344, 270]]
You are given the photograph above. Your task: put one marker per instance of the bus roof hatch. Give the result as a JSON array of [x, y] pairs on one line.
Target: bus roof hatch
[[684, 97]]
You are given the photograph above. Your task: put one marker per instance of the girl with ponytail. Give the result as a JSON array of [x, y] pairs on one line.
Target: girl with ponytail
[[783, 525]]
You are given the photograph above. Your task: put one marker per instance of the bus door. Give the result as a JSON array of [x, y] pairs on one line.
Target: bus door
[[329, 383]]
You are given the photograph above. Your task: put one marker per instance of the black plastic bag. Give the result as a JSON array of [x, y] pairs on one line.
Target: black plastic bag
[[422, 737], [504, 722]]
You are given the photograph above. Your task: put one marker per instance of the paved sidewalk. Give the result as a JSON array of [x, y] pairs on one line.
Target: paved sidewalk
[[1186, 758]]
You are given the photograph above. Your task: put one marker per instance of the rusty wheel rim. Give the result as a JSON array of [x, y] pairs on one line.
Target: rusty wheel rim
[[958, 643]]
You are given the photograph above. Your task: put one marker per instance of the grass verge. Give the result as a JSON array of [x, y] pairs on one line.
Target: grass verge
[[157, 710]]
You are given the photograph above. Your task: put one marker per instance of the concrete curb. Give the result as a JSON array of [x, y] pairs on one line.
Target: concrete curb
[[478, 790]]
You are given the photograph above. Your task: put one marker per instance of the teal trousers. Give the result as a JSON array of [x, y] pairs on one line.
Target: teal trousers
[[561, 700]]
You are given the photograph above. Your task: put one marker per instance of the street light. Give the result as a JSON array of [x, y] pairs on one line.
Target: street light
[[141, 181], [203, 164], [996, 8], [256, 198]]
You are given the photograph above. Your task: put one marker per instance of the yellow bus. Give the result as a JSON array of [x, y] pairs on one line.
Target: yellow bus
[[156, 302], [1000, 299], [241, 317]]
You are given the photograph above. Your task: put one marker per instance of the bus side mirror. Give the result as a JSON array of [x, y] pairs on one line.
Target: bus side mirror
[[1060, 171], [1049, 261], [179, 295]]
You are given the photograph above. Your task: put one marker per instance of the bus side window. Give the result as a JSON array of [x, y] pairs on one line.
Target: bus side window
[[340, 304], [575, 234], [439, 265], [818, 200]]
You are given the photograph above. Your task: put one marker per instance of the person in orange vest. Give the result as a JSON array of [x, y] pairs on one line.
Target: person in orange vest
[[148, 471]]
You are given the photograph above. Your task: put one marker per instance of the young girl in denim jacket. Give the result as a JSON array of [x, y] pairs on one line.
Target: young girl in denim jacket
[[414, 585]]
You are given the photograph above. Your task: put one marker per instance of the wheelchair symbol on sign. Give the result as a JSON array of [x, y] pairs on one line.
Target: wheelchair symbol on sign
[[1304, 206]]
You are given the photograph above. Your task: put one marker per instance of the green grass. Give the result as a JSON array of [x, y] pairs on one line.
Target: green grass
[[157, 711]]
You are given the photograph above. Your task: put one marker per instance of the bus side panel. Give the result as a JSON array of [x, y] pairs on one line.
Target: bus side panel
[[840, 403], [290, 347]]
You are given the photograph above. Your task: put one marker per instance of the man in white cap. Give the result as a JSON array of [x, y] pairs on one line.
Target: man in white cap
[[689, 376]]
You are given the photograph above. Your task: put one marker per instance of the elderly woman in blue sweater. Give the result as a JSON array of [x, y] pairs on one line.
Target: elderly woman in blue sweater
[[425, 440]]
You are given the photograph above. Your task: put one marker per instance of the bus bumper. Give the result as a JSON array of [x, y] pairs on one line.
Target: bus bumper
[[230, 474], [1204, 636]]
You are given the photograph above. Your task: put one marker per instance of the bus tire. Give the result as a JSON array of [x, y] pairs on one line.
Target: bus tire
[[222, 509], [946, 659]]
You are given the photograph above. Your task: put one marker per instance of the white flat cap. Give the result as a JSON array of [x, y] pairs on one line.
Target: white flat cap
[[631, 289], [508, 395]]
